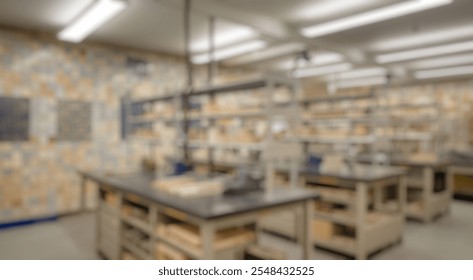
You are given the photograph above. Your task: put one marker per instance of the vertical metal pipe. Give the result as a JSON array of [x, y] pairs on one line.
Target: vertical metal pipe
[[211, 74], [187, 35], [211, 65], [190, 78]]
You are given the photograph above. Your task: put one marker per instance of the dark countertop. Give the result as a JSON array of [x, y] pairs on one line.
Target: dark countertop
[[204, 207], [359, 173], [462, 158], [410, 163]]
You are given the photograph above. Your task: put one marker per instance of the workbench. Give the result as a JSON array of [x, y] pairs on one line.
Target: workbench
[[209, 214], [464, 189], [430, 178], [357, 198]]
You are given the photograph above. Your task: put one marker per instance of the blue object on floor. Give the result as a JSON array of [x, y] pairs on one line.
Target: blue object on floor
[[181, 168], [314, 162], [27, 222]]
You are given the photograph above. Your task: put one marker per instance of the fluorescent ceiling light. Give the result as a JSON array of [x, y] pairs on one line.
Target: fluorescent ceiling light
[[317, 59], [362, 73], [444, 72], [328, 8], [269, 53], [370, 17], [229, 52], [94, 17], [225, 38], [425, 52], [424, 38], [320, 71], [361, 82], [443, 61]]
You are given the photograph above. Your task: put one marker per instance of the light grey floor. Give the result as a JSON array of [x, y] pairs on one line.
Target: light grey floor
[[73, 237]]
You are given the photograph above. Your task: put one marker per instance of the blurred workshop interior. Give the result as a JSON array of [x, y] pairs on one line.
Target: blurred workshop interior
[[236, 129]]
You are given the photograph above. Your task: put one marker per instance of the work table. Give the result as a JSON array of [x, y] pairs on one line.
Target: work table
[[209, 216], [203, 207]]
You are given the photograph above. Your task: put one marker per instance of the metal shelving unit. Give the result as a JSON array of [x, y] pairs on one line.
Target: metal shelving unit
[[268, 84], [338, 124], [428, 195]]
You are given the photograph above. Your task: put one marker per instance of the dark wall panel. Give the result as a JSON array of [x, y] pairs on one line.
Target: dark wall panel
[[14, 119]]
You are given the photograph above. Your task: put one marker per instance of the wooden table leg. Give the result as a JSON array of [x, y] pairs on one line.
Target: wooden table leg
[[361, 209], [307, 241], [207, 232], [378, 198], [82, 195], [427, 193], [449, 184], [402, 195]]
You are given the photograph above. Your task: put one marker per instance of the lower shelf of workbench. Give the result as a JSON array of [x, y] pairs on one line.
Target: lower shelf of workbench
[[386, 230], [438, 204]]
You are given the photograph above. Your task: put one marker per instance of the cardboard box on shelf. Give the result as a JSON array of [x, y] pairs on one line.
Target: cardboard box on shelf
[[247, 137], [128, 256], [424, 157], [190, 236], [322, 230], [210, 107], [332, 162], [145, 133], [111, 199], [165, 252], [374, 217], [171, 182], [306, 131], [360, 130], [322, 206], [184, 186]]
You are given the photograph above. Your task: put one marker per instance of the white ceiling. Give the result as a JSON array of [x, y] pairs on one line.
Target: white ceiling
[[158, 24], [304, 11]]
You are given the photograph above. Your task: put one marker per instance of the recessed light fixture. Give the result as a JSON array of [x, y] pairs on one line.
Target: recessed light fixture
[[95, 16], [373, 81], [420, 39], [425, 52], [453, 60], [370, 17], [229, 52], [362, 73], [224, 38], [316, 59], [311, 10], [320, 71], [271, 52], [444, 72]]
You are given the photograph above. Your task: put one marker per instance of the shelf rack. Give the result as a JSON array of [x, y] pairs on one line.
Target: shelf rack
[[428, 190], [363, 130], [186, 121], [338, 124], [402, 116]]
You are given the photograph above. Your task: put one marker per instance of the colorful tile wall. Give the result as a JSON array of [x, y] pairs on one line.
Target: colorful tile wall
[[39, 177]]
